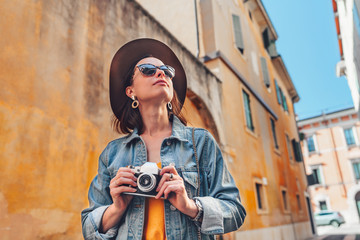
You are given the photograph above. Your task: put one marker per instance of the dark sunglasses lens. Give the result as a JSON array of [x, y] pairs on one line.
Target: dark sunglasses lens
[[169, 71], [148, 70]]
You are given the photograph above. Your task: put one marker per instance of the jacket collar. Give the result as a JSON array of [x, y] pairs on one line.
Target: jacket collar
[[178, 132]]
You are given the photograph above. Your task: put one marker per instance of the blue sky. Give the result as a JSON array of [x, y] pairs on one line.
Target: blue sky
[[308, 44]]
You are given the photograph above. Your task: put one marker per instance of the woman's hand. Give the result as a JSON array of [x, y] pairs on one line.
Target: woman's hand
[[172, 187], [118, 185]]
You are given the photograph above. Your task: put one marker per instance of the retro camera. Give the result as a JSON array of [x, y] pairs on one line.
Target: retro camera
[[148, 178]]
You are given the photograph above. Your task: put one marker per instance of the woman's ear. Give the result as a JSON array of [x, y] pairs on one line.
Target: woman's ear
[[129, 91]]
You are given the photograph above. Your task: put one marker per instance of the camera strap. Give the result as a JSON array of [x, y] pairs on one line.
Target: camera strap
[[197, 162], [198, 170]]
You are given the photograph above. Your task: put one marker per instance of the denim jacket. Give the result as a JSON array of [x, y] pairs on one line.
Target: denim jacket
[[219, 196]]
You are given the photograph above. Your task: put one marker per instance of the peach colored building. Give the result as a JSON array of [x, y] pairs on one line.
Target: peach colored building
[[331, 150]]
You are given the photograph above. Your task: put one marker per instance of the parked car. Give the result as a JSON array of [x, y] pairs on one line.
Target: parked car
[[333, 218]]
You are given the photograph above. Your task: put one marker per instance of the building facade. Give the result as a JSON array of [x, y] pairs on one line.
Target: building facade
[[331, 150], [55, 113], [236, 42], [347, 23]]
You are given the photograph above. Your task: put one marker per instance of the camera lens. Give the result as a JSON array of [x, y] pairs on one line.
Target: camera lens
[[146, 182]]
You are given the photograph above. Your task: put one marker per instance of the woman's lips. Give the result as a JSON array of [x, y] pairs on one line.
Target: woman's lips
[[162, 82]]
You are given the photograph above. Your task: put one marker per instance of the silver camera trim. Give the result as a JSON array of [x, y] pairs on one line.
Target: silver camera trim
[[152, 182], [148, 168]]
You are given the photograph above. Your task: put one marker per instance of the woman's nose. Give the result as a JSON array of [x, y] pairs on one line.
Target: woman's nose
[[160, 73]]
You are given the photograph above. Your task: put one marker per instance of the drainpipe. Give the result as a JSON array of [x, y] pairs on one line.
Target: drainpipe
[[197, 31]]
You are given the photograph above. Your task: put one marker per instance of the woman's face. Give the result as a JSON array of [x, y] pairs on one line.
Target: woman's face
[[157, 88]]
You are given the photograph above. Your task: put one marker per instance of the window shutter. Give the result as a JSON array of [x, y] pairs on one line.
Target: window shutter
[[237, 32], [281, 97], [269, 44], [266, 38], [272, 49], [297, 150], [249, 122], [284, 102], [265, 72], [310, 179], [278, 92]]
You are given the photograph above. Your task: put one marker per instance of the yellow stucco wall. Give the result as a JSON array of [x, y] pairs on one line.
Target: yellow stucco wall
[[49, 140]]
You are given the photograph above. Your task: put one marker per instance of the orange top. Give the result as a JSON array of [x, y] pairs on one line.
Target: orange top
[[154, 227]]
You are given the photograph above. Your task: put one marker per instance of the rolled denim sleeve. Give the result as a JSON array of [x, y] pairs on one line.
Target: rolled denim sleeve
[[99, 200], [223, 211]]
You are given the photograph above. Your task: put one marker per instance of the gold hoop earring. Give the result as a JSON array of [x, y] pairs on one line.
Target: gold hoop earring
[[135, 103]]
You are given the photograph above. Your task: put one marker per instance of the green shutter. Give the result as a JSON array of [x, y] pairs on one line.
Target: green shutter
[[249, 122], [278, 92], [237, 32], [356, 166], [265, 72], [297, 150], [284, 102], [281, 97]]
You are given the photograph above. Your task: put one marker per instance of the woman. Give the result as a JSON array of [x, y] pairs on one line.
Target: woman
[[196, 196]]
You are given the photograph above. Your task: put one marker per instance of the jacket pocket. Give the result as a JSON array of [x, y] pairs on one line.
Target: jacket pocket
[[191, 182]]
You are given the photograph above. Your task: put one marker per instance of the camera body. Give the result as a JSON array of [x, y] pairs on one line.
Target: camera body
[[148, 178]]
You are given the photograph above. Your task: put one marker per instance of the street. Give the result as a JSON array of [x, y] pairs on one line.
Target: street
[[344, 232]]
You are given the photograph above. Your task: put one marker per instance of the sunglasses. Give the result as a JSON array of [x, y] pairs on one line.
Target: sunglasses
[[149, 70]]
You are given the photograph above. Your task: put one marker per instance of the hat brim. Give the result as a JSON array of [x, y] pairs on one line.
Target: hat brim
[[132, 51]]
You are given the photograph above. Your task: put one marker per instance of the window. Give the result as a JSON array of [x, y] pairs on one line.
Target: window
[[349, 136], [239, 42], [289, 148], [266, 38], [298, 202], [269, 44], [311, 144], [317, 174], [265, 72], [285, 199], [249, 122], [273, 129], [356, 167], [323, 205], [281, 97], [260, 196]]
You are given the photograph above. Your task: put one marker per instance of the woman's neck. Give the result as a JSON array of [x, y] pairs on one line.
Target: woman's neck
[[156, 120]]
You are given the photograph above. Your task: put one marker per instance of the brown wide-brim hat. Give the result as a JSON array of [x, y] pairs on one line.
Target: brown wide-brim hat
[[129, 54]]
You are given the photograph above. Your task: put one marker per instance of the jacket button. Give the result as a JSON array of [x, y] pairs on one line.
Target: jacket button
[[172, 208], [168, 143]]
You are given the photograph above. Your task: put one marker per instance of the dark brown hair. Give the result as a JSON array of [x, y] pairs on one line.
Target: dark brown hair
[[130, 118]]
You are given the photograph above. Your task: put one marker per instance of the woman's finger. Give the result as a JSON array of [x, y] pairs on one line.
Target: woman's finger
[[125, 169], [123, 181], [120, 190], [171, 189], [169, 169], [166, 185], [167, 177], [125, 174]]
